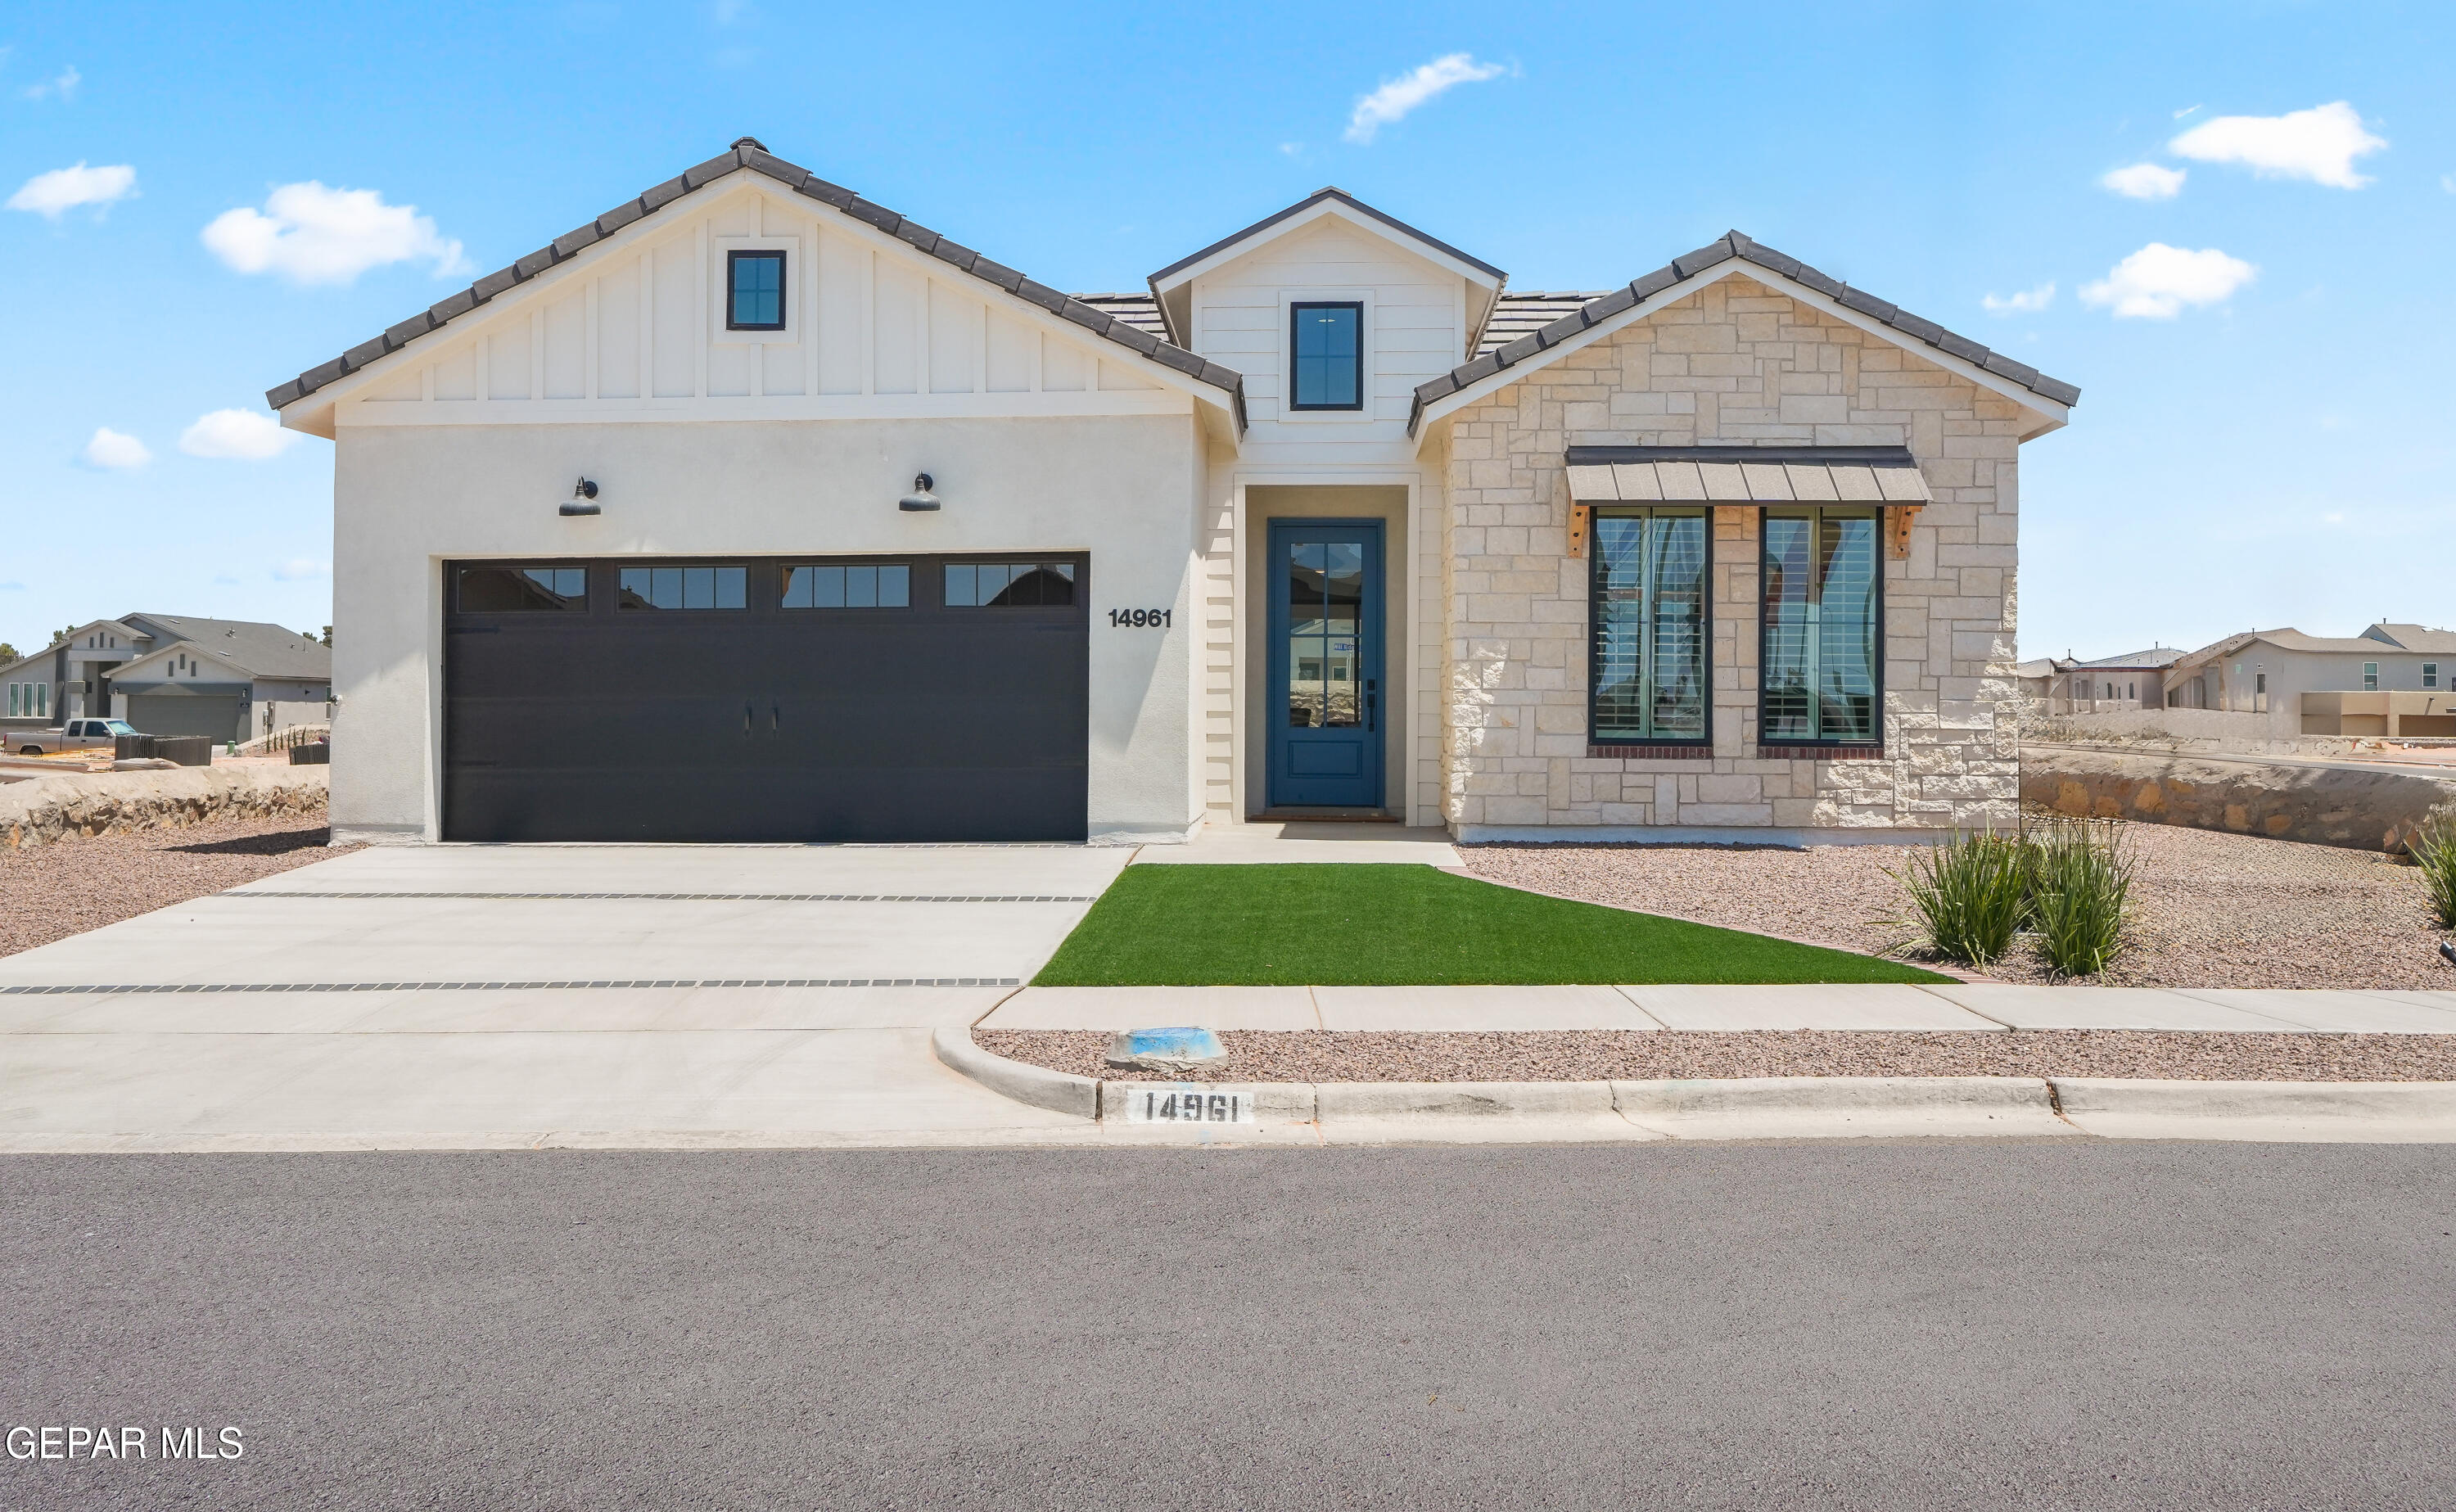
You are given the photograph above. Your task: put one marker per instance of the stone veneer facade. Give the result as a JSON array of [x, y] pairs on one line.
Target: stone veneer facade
[[1734, 363]]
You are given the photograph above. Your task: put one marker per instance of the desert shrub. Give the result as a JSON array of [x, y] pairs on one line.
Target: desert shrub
[[2433, 848], [2078, 877], [1969, 896]]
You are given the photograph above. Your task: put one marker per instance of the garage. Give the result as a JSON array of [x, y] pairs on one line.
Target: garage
[[218, 715], [912, 699]]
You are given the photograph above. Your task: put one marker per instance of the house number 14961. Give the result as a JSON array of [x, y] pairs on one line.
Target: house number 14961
[[1140, 619]]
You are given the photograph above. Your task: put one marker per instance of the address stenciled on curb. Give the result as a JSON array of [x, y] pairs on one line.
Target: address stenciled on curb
[[1166, 1104]]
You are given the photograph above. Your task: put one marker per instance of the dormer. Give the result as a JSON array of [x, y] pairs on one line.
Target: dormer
[[1334, 312]]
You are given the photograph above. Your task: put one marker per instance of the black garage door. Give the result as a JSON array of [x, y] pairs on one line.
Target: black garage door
[[885, 699]]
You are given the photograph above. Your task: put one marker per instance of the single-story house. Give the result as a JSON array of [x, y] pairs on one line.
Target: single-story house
[[173, 674], [753, 510], [2133, 680], [2269, 671]]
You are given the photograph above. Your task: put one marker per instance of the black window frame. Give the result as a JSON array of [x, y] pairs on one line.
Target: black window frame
[[1780, 746], [1297, 309], [1642, 745], [733, 261]]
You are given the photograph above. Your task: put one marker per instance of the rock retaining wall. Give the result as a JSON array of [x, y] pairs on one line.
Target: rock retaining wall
[[2332, 806], [81, 804]]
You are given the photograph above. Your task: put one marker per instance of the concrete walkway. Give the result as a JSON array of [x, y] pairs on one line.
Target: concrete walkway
[[1974, 1006]]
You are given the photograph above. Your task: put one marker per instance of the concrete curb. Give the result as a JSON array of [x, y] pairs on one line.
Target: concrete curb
[[1842, 1107], [1042, 1088], [1756, 1108], [2384, 1111]]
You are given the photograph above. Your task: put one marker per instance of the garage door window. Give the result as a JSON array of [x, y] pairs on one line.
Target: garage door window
[[683, 587], [1009, 585], [519, 590], [877, 586]]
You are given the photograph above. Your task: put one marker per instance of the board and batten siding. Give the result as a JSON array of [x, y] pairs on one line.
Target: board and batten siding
[[1414, 329], [875, 328]]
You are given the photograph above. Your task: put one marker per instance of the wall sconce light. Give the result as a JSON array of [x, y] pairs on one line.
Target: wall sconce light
[[920, 499], [583, 499]]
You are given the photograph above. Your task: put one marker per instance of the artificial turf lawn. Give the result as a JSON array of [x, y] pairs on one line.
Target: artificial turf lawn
[[1350, 924]]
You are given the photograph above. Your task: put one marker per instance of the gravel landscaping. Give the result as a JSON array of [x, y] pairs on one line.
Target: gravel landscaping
[[2209, 909], [1650, 1054], [50, 892]]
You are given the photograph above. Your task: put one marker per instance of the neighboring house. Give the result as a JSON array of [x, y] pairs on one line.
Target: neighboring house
[[754, 511], [173, 674], [2134, 680], [2268, 671]]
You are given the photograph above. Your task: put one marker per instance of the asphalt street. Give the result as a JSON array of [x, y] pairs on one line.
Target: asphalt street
[[2066, 1325]]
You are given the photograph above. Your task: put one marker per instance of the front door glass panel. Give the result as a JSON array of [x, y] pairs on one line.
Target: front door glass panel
[[1326, 748]]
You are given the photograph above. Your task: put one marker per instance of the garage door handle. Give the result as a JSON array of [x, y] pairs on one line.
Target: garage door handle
[[746, 717], [775, 720]]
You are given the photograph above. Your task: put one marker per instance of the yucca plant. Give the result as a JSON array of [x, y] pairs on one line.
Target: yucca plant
[[2079, 883], [1969, 894], [2433, 848]]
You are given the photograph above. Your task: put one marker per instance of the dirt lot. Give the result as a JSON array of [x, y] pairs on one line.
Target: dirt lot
[[1609, 1055], [54, 892], [2209, 909]]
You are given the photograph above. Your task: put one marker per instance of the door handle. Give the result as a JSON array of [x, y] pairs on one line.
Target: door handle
[[775, 719], [745, 719]]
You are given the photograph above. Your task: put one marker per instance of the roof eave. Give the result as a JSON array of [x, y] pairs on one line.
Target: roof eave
[[1328, 200], [333, 380]]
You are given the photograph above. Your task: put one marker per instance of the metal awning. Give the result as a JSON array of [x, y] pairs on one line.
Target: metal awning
[[1745, 475]]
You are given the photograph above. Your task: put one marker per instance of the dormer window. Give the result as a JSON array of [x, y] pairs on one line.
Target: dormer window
[[1326, 340], [754, 290]]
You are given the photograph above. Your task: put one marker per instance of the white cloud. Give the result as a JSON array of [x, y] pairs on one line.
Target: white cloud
[[63, 188], [246, 436], [2145, 181], [115, 452], [2156, 282], [64, 86], [309, 234], [298, 567], [2318, 144], [2029, 302], [2185, 110], [1396, 97]]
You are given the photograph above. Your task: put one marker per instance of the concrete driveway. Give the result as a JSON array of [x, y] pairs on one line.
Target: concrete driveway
[[470, 996]]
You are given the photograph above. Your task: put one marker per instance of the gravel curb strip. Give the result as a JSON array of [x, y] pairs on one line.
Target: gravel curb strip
[[1054, 1089]]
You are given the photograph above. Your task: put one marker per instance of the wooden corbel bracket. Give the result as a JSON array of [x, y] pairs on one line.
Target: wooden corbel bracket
[[1899, 520]]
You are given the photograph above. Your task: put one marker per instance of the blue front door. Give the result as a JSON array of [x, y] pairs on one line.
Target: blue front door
[[1326, 648]]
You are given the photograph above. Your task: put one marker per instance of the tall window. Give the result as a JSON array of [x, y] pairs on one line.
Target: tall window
[[1328, 343], [1648, 640], [2429, 674], [1822, 624], [754, 290], [2370, 676]]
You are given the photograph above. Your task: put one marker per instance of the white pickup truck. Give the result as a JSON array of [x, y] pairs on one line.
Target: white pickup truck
[[77, 734]]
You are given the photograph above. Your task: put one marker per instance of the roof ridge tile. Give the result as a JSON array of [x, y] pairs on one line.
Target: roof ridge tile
[[748, 154]]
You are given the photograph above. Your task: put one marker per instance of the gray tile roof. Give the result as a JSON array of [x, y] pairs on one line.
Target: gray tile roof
[[2155, 657], [1517, 314], [747, 153], [1137, 310], [260, 649], [1679, 270], [1328, 191]]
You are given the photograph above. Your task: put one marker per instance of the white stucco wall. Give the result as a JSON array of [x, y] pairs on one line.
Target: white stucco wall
[[408, 498]]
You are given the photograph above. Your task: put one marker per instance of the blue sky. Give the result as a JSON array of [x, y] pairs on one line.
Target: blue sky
[[2277, 450]]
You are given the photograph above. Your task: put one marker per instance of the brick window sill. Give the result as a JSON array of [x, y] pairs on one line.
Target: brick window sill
[[1647, 752], [1820, 753]]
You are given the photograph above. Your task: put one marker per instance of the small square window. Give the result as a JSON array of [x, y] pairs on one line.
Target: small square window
[[754, 290], [1326, 343]]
